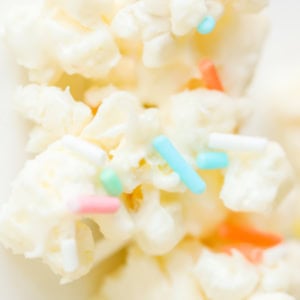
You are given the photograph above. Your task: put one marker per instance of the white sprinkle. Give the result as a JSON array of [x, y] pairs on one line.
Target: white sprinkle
[[234, 142], [70, 255], [93, 153]]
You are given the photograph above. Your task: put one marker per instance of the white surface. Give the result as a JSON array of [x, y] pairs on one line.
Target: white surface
[[30, 280]]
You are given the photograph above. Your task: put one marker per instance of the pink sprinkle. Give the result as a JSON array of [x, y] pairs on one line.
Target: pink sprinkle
[[95, 205]]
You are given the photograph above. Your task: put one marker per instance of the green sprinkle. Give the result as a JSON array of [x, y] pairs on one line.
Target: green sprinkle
[[111, 182]]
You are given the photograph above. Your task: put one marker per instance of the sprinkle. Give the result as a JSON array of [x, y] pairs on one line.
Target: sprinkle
[[95, 205], [70, 255], [111, 182], [207, 25], [236, 142], [210, 75], [212, 160], [186, 173], [248, 235], [90, 151]]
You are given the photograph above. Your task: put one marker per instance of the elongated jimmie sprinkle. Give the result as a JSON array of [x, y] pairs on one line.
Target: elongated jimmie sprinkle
[[90, 151], [212, 160], [95, 205], [210, 75], [248, 235], [235, 142], [186, 173], [70, 255]]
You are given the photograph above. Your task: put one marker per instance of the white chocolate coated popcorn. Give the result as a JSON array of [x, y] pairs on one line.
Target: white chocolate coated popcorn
[[54, 113], [137, 61], [59, 45], [224, 277], [37, 219], [256, 182]]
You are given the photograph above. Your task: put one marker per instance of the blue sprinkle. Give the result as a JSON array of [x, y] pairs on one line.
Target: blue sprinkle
[[212, 160], [177, 163], [207, 25]]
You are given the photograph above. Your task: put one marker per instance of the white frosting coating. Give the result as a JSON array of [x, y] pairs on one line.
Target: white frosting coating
[[136, 54], [54, 113], [257, 182], [223, 277]]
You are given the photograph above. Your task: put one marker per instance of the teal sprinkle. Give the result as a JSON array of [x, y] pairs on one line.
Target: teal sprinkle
[[207, 25], [111, 182], [212, 160], [178, 164]]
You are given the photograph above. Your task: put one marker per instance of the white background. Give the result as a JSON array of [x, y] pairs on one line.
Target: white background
[[27, 280]]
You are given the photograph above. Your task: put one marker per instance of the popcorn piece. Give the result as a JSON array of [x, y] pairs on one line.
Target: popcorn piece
[[225, 277], [36, 219], [31, 52], [91, 54], [194, 114], [159, 228], [275, 278], [126, 130], [54, 112], [256, 182], [112, 119], [59, 45], [287, 253]]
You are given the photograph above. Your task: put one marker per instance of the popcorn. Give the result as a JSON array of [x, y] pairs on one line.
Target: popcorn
[[112, 119], [159, 228], [60, 45], [275, 278], [142, 81], [54, 113], [36, 220], [224, 277], [255, 183], [194, 114]]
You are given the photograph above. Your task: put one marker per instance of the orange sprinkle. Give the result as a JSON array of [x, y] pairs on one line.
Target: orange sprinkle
[[252, 253], [248, 235], [210, 75]]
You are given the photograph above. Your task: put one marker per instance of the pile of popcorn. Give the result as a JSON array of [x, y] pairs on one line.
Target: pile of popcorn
[[106, 80]]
